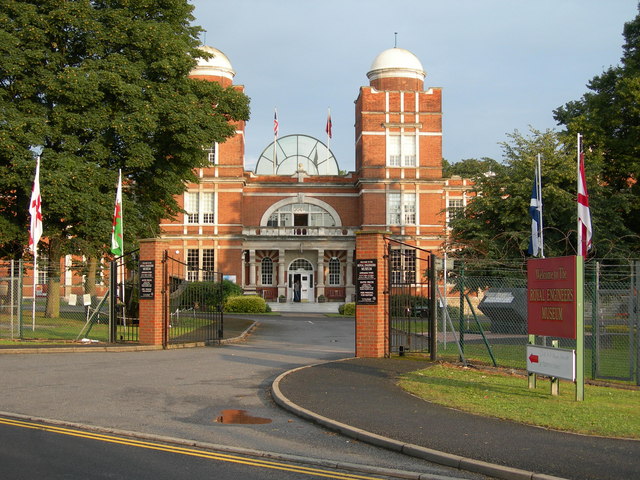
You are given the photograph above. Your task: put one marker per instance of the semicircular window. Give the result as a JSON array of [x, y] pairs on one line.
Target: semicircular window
[[301, 215], [297, 153]]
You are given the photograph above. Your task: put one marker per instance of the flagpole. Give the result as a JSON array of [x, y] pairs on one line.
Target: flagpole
[[579, 223], [124, 265], [275, 140], [35, 281], [329, 131], [539, 195], [35, 210]]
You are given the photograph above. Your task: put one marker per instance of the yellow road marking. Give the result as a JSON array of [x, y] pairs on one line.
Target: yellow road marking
[[184, 451]]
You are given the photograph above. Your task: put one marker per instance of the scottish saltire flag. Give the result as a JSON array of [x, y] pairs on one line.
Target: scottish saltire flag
[[535, 211]]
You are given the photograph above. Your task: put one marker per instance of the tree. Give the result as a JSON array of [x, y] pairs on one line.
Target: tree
[[102, 85], [609, 118], [496, 224], [469, 167]]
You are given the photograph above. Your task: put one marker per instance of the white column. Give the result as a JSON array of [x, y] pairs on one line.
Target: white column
[[350, 289], [252, 268], [282, 278], [320, 273]]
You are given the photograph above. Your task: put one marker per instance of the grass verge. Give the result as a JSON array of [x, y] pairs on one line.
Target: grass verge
[[605, 411]]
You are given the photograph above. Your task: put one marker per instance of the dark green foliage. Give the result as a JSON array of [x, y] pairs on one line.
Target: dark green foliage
[[496, 223], [100, 85], [207, 295], [470, 167], [608, 116]]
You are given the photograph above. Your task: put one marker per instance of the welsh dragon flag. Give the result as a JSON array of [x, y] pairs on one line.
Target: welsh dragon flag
[[117, 240]]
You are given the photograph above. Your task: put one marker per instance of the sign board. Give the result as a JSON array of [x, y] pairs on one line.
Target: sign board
[[147, 271], [552, 296], [367, 282], [552, 362]]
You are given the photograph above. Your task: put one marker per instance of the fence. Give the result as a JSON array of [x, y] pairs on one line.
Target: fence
[[483, 317], [52, 304], [195, 298]]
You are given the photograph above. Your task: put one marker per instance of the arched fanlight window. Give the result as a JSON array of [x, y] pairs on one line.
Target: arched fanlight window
[[297, 153]]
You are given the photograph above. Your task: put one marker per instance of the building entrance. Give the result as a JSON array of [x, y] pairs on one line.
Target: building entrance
[[301, 286]]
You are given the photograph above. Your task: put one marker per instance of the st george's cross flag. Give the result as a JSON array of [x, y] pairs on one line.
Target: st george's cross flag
[[35, 210]]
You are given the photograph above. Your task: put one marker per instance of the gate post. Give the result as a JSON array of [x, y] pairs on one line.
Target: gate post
[[372, 325], [151, 310]]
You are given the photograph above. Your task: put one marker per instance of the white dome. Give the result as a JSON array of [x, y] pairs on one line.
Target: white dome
[[217, 65], [396, 62]]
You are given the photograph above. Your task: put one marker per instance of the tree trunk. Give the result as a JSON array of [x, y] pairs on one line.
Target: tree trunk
[[90, 279], [53, 283]]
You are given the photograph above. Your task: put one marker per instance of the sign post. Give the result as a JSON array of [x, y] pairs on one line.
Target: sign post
[[555, 288]]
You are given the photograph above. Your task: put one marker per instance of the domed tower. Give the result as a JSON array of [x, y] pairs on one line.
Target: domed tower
[[227, 158], [396, 69], [398, 144], [217, 68]]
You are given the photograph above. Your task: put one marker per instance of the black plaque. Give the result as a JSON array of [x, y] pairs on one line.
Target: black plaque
[[147, 270], [367, 282]]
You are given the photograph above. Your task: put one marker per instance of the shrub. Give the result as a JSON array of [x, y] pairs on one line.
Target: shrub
[[245, 304], [348, 309], [207, 295]]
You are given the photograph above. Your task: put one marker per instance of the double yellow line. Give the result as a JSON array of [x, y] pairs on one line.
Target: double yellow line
[[222, 457]]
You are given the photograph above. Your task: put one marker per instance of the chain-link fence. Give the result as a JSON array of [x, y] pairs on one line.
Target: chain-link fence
[[483, 316], [52, 303]]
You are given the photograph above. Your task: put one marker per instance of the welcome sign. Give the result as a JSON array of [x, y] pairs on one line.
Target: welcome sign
[[552, 296]]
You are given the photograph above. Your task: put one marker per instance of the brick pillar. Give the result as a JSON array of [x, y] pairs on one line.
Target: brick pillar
[[151, 311], [372, 326]]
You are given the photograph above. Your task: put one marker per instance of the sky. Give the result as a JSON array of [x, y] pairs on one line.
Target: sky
[[503, 65]]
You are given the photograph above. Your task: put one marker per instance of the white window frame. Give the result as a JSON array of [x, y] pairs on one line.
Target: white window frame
[[207, 207], [403, 270], [212, 153], [199, 207], [402, 150], [266, 271], [455, 206], [402, 208], [334, 271]]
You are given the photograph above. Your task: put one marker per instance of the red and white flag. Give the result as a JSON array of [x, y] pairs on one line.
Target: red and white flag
[[584, 215], [276, 125], [329, 125], [35, 210]]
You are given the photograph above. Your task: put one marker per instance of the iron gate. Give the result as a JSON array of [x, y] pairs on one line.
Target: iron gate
[[123, 299], [411, 298], [193, 301]]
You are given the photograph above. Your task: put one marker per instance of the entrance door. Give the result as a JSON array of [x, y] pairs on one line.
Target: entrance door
[[301, 285], [301, 281]]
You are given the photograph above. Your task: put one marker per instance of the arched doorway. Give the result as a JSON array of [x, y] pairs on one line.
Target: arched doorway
[[301, 281]]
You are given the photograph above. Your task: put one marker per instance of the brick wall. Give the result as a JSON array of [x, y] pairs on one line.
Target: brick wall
[[151, 314], [372, 327]]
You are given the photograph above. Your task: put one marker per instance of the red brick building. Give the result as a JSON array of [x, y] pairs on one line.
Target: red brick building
[[288, 227]]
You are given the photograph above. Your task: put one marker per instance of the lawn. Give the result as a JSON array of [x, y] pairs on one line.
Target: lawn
[[605, 411]]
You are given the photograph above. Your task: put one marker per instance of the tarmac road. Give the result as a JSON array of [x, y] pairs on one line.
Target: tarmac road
[[181, 393]]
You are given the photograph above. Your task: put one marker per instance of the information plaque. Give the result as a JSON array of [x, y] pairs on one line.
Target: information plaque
[[367, 282], [147, 270]]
